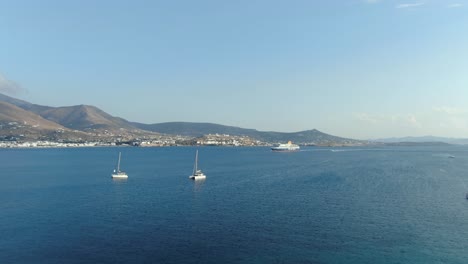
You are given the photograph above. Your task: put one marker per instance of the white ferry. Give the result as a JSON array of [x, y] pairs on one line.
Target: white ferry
[[286, 147]]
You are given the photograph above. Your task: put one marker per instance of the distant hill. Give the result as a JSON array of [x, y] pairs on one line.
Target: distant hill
[[307, 137], [82, 117], [23, 104], [79, 117], [12, 113], [18, 124], [198, 129], [98, 123], [194, 129], [424, 139], [415, 144]]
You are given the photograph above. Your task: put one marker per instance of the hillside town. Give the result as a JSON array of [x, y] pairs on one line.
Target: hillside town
[[27, 125], [160, 141]]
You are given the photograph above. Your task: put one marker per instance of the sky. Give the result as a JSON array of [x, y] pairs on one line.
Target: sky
[[364, 69]]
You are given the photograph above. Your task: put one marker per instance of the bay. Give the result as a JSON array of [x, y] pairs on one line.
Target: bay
[[319, 205]]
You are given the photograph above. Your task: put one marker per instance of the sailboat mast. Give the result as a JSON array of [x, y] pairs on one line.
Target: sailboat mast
[[118, 163], [195, 166]]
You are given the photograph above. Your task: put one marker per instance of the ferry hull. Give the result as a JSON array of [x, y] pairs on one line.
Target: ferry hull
[[284, 150]]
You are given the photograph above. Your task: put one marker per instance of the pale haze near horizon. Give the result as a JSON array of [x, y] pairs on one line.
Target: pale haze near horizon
[[361, 69]]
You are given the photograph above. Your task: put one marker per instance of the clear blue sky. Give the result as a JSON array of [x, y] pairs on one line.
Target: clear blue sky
[[353, 68]]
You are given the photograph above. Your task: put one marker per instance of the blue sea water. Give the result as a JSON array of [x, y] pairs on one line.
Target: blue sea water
[[319, 205]]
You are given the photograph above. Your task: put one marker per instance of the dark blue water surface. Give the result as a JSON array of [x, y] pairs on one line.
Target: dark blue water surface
[[319, 205]]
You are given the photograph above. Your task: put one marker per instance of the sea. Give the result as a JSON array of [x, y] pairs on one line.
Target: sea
[[319, 205]]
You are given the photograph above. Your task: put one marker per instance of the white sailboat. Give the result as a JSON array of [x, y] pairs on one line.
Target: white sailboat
[[197, 174], [118, 174]]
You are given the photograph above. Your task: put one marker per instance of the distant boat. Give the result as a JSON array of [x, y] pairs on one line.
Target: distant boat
[[286, 147], [197, 174], [118, 174], [451, 156], [466, 196]]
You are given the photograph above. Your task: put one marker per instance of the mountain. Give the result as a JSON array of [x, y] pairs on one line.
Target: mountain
[[18, 124], [198, 129], [23, 104], [95, 123], [79, 117], [82, 117], [11, 113]]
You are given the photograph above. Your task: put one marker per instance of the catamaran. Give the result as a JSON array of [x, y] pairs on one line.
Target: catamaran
[[197, 174], [118, 174]]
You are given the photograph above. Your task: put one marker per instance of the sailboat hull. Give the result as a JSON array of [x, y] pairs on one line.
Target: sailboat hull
[[197, 177], [119, 176]]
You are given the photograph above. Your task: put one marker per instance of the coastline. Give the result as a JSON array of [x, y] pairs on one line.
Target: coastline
[[92, 144]]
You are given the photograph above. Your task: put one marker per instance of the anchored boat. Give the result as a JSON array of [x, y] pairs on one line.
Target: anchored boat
[[118, 174], [197, 174]]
